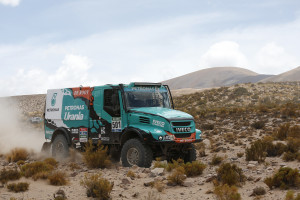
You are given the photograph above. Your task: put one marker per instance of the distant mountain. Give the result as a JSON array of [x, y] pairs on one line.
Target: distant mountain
[[292, 75], [215, 77]]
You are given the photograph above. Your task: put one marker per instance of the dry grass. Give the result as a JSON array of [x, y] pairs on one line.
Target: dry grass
[[9, 175], [51, 161], [284, 178], [230, 174], [74, 166], [57, 178], [97, 187], [18, 187], [177, 177], [225, 192], [34, 168], [17, 154], [96, 156], [131, 174]]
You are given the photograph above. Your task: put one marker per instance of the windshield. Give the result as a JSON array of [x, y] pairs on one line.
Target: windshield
[[137, 97]]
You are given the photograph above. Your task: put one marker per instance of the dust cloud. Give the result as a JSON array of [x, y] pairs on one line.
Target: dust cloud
[[16, 130]]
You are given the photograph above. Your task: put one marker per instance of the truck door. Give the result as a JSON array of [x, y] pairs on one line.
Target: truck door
[[112, 115]]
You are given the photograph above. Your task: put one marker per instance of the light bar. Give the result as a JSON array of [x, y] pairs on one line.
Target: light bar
[[146, 84]]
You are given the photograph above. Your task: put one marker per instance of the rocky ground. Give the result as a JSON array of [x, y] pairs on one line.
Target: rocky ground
[[227, 118]]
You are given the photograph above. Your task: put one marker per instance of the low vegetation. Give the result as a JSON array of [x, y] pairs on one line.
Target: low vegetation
[[96, 156], [226, 192], [18, 187], [177, 177], [230, 174], [97, 187], [9, 175], [290, 195], [31, 169], [284, 178], [17, 154], [57, 178]]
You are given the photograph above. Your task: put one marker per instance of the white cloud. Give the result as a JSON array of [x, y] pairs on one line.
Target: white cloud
[[275, 59], [72, 72], [10, 2], [225, 53]]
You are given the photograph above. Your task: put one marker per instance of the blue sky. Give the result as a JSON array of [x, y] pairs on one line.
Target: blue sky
[[63, 43]]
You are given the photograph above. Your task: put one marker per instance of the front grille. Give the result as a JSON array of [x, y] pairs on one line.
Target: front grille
[[181, 123], [183, 135], [182, 129], [144, 120]]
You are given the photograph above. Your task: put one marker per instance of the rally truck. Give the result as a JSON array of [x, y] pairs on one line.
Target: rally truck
[[137, 122]]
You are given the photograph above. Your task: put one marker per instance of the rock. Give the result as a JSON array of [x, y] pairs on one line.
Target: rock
[[60, 194], [187, 184], [253, 162], [146, 170], [125, 181], [206, 142], [269, 168], [142, 175], [258, 179], [234, 158], [157, 172], [73, 174], [147, 184], [135, 195], [251, 166]]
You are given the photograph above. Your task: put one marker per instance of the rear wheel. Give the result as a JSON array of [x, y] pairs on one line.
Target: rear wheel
[[136, 153], [60, 147]]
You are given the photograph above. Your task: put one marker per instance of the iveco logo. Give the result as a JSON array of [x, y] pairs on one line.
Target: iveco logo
[[183, 129]]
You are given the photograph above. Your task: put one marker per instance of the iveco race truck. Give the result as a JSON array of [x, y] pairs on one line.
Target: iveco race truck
[[137, 122]]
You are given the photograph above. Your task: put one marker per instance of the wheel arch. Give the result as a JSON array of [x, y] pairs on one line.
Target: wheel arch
[[61, 131], [131, 133]]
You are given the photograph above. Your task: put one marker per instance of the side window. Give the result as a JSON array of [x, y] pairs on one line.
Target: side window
[[111, 102]]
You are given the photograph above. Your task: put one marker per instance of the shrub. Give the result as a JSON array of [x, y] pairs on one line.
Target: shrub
[[159, 164], [17, 154], [230, 174], [96, 156], [51, 161], [207, 127], [57, 178], [282, 132], [216, 160], [159, 185], [284, 178], [97, 187], [31, 169], [289, 156], [240, 91], [194, 169], [174, 164], [290, 195], [258, 191], [240, 154], [130, 174], [225, 192], [9, 175], [41, 175], [177, 177], [256, 152], [74, 166], [18, 187], [258, 124]]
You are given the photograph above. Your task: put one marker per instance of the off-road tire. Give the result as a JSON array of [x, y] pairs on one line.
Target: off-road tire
[[46, 148], [144, 154], [191, 154], [60, 147]]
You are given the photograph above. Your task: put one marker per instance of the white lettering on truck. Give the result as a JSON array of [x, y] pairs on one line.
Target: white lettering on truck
[[69, 116]]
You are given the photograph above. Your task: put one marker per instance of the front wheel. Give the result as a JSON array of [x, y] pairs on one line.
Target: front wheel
[[136, 153], [60, 147], [191, 154]]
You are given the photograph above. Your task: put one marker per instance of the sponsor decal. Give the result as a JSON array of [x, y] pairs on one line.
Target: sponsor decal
[[53, 99], [116, 124], [75, 107], [84, 92], [74, 131], [69, 116], [183, 129], [105, 139], [158, 123], [102, 130], [83, 134], [52, 109]]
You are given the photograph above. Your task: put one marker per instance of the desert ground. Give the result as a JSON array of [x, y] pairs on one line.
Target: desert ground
[[231, 120]]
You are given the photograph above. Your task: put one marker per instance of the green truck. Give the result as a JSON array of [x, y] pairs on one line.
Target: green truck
[[136, 121]]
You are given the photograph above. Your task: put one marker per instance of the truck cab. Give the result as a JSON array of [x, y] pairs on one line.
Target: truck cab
[[136, 121]]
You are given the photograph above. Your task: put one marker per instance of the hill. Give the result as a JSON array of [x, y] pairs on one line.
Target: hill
[[215, 77], [292, 75]]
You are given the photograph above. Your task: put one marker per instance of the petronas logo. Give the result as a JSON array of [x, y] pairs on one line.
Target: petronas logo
[[53, 99]]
